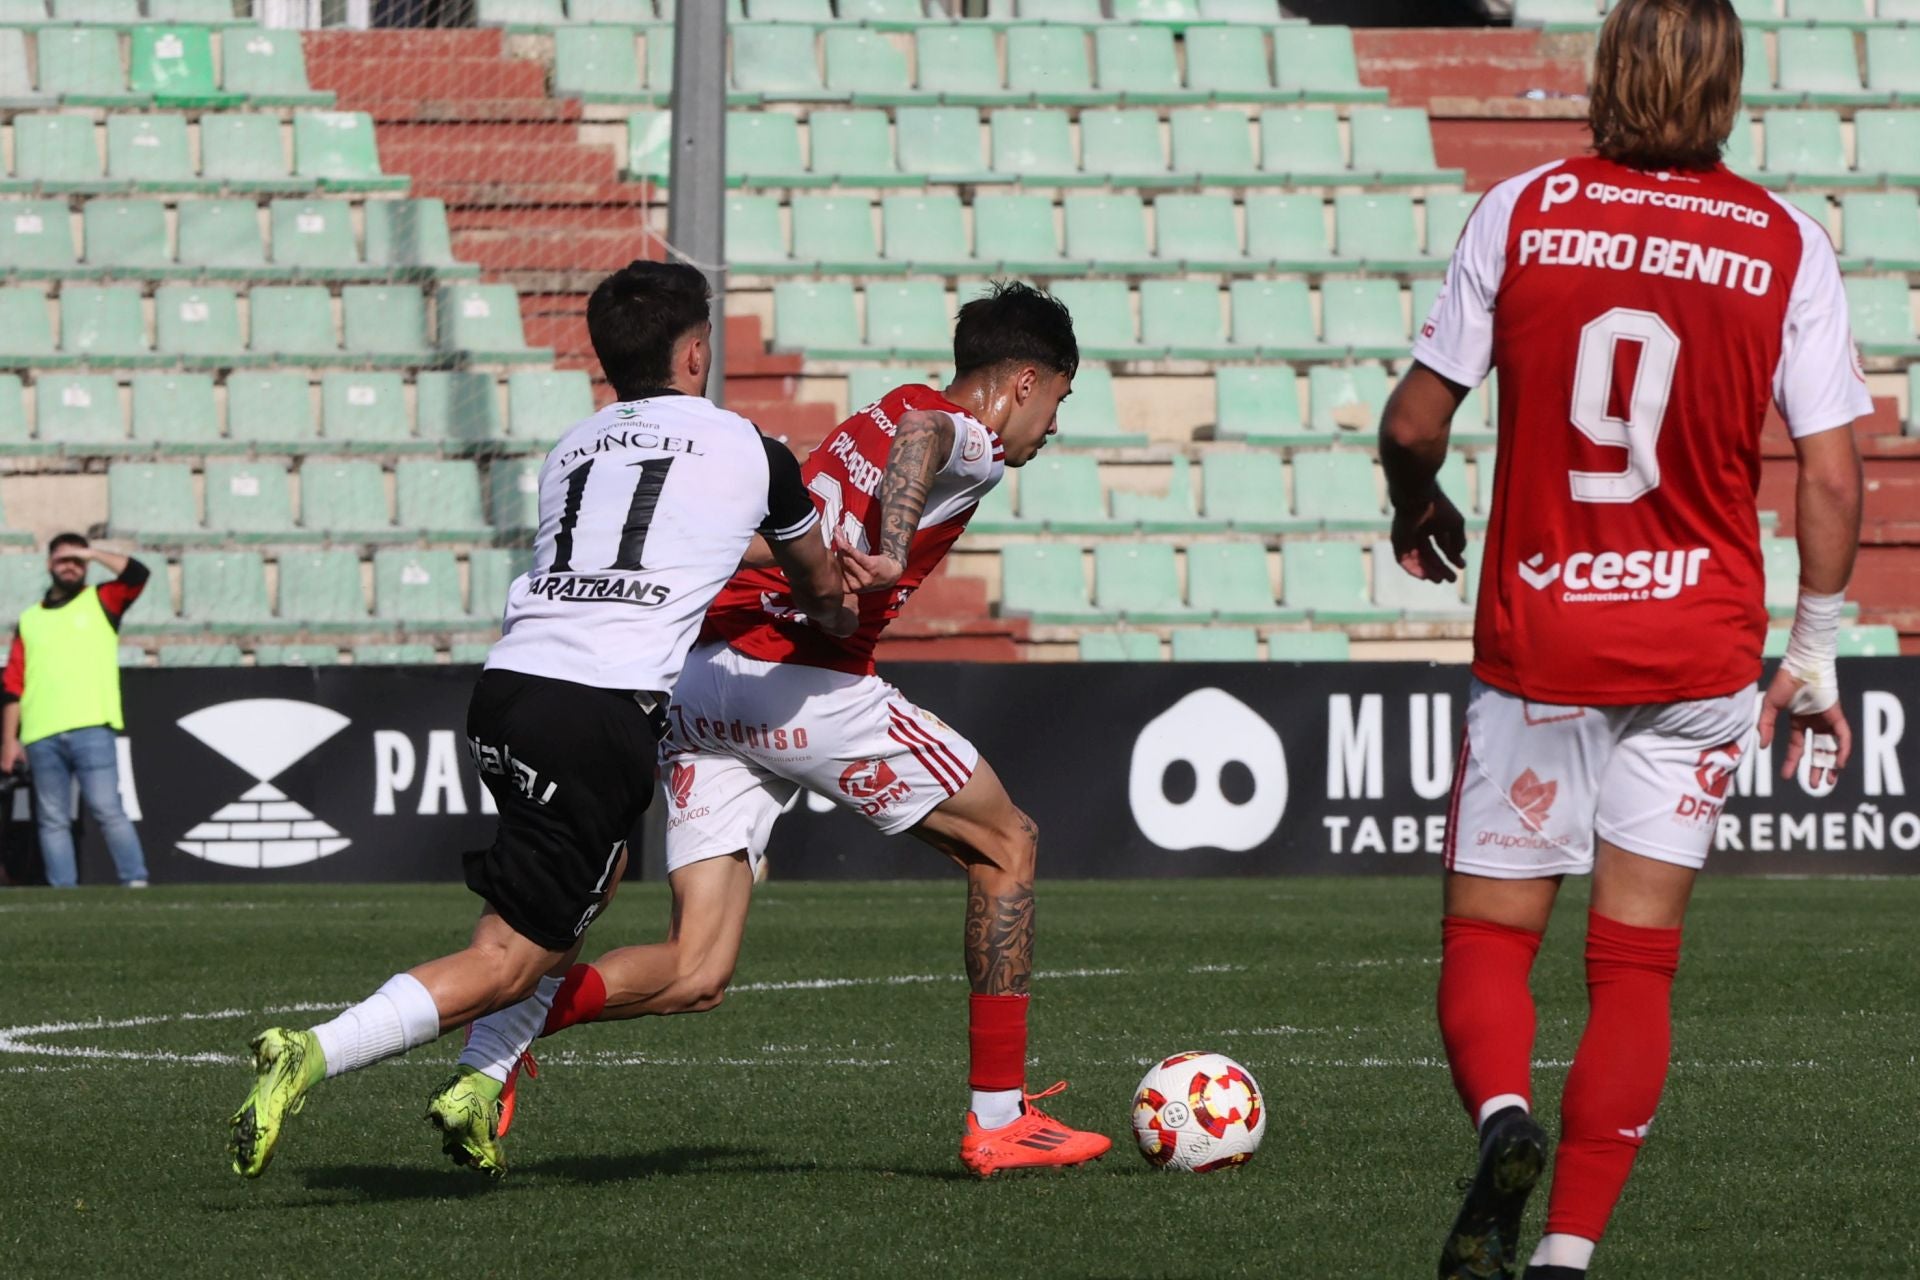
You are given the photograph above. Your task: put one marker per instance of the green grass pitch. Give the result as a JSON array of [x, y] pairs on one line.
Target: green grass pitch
[[808, 1127]]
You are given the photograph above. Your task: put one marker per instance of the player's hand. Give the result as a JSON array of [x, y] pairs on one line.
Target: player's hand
[[1430, 538], [11, 756], [1831, 735], [862, 572]]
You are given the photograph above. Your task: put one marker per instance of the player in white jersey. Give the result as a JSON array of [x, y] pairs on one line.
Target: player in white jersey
[[645, 511]]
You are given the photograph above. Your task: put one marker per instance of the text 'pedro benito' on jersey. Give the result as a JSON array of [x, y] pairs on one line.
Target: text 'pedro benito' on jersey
[[646, 509], [1646, 319]]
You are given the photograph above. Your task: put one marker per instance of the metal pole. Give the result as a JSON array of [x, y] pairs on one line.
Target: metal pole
[[696, 204]]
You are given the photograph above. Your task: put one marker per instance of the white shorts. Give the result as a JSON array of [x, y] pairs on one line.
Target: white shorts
[[746, 736], [1535, 782]]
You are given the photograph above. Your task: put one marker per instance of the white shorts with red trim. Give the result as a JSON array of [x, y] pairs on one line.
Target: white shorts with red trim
[[745, 736], [1536, 781]]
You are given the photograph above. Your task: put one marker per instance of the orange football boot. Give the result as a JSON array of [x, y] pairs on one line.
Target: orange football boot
[[1035, 1141], [511, 1087]]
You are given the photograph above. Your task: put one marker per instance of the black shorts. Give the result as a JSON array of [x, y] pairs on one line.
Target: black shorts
[[571, 769]]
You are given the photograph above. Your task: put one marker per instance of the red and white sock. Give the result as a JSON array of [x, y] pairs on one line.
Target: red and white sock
[[581, 998], [1617, 1074], [996, 1057], [1486, 1012]]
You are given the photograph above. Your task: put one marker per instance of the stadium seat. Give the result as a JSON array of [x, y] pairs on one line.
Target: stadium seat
[[1229, 66], [763, 149], [23, 580], [1216, 147], [1275, 318], [910, 319], [1882, 231], [1378, 229], [1867, 642], [345, 500], [1446, 219], [270, 410], [1758, 88], [365, 411], [1288, 231], [926, 232], [1806, 147], [1090, 417], [1138, 63], [482, 323], [176, 411], [1018, 232], [16, 438], [865, 65], [542, 405], [1246, 491], [459, 409], [295, 655], [56, 152], [1216, 644], [1172, 511], [17, 89], [198, 325], [513, 495], [812, 11], [837, 233], [293, 323], [152, 503], [1258, 404], [127, 234], [1301, 145], [103, 324], [756, 240], [410, 238], [81, 65], [1781, 557], [1394, 588], [1329, 580], [1102, 319], [242, 151], [1307, 646], [1363, 316], [1346, 397], [1557, 15], [1893, 62], [222, 237], [1828, 11], [1230, 581], [650, 148], [268, 68], [1124, 146], [1820, 63], [1887, 146], [1882, 316], [1138, 582], [440, 498], [1317, 64], [1119, 646], [336, 150], [1044, 582], [174, 66], [224, 592], [960, 64], [385, 324], [250, 501], [884, 15], [197, 655], [79, 412], [1111, 231], [394, 654], [1185, 320], [597, 64], [519, 15], [1199, 233], [314, 238], [36, 240], [1062, 493], [1394, 145], [777, 63], [943, 144], [1036, 147], [490, 575], [1050, 65], [855, 148], [817, 317], [321, 591]]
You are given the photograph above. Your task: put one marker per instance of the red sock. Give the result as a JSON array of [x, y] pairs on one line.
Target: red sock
[[1618, 1071], [997, 1042], [580, 999], [1486, 1008]]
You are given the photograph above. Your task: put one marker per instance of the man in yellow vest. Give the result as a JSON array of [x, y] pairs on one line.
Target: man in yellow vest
[[61, 706]]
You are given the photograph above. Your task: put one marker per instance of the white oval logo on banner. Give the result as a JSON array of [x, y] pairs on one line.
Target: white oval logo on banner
[[1208, 772]]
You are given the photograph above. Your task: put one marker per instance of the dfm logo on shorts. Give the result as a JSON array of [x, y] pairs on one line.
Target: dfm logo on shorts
[[1712, 773], [1208, 773], [264, 827], [1603, 576], [873, 786]]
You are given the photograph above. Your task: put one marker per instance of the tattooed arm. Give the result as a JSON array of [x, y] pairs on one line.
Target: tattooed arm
[[921, 446]]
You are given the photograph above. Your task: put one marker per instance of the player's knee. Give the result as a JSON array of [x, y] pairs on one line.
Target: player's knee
[[1019, 847], [701, 989]]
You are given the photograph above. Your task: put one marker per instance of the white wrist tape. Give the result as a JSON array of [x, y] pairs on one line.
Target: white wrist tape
[[1810, 652]]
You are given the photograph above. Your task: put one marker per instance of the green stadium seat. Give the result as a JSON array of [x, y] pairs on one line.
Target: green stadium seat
[[1741, 154], [1176, 12], [469, 653], [224, 592], [1230, 582], [174, 66], [1229, 65], [268, 68], [103, 324], [440, 498], [420, 590], [1216, 644], [345, 500], [1090, 417], [1758, 88], [1199, 233], [221, 237], [152, 611], [1882, 231], [127, 235], [392, 654], [152, 503], [250, 501], [243, 151], [1913, 400], [385, 324], [1216, 147], [198, 325], [818, 11], [174, 656], [1395, 145], [1173, 511], [756, 241], [865, 386], [1893, 61], [1018, 232], [79, 412], [1138, 63], [1378, 229], [777, 62], [459, 410], [817, 317], [336, 150], [1363, 316], [865, 65], [543, 405], [1275, 318], [1073, 11], [177, 412], [1050, 65], [1102, 319], [56, 152], [1828, 11], [1258, 404], [1419, 600], [292, 324], [1882, 316], [23, 580], [149, 153], [513, 496], [1887, 145], [16, 437], [1246, 491], [763, 149], [1820, 63], [1063, 494], [1806, 147], [1138, 582], [942, 144], [411, 238], [1346, 397], [910, 319], [1329, 580], [1185, 320], [856, 149], [482, 321], [1317, 63], [1111, 232], [315, 238], [1044, 582], [16, 82], [650, 147], [885, 15], [295, 655], [927, 233], [1868, 642], [618, 13], [1302, 146], [321, 591], [490, 575], [1557, 15], [1446, 219], [960, 63], [270, 410], [597, 64], [1781, 558], [132, 655], [82, 66], [1289, 231], [518, 15], [26, 333], [1240, 12], [1119, 646], [1036, 147], [837, 233], [1124, 146], [365, 411], [1307, 646]]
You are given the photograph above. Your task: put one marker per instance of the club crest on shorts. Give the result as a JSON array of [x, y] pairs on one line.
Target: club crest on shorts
[[873, 786], [1532, 799], [680, 784]]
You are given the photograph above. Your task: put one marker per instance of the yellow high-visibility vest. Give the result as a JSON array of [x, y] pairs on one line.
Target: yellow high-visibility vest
[[73, 668]]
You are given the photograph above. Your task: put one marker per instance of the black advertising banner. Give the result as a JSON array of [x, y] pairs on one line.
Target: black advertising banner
[[347, 773]]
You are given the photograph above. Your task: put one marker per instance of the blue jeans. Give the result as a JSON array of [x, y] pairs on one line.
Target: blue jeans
[[92, 756]]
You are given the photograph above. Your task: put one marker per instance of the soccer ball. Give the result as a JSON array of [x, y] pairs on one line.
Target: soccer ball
[[1198, 1112]]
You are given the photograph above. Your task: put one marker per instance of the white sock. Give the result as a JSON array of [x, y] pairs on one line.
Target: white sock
[[498, 1040], [993, 1108], [1498, 1103], [1561, 1250], [399, 1016]]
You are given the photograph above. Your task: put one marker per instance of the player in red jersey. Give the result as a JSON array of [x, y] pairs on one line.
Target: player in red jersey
[[1641, 305], [768, 705]]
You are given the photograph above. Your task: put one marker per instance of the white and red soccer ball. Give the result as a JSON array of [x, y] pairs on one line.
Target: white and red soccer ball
[[1197, 1112]]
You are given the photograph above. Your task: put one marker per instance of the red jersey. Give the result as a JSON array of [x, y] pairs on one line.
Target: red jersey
[[755, 614], [1639, 323]]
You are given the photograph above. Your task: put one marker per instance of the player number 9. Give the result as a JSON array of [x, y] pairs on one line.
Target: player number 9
[[1639, 432]]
